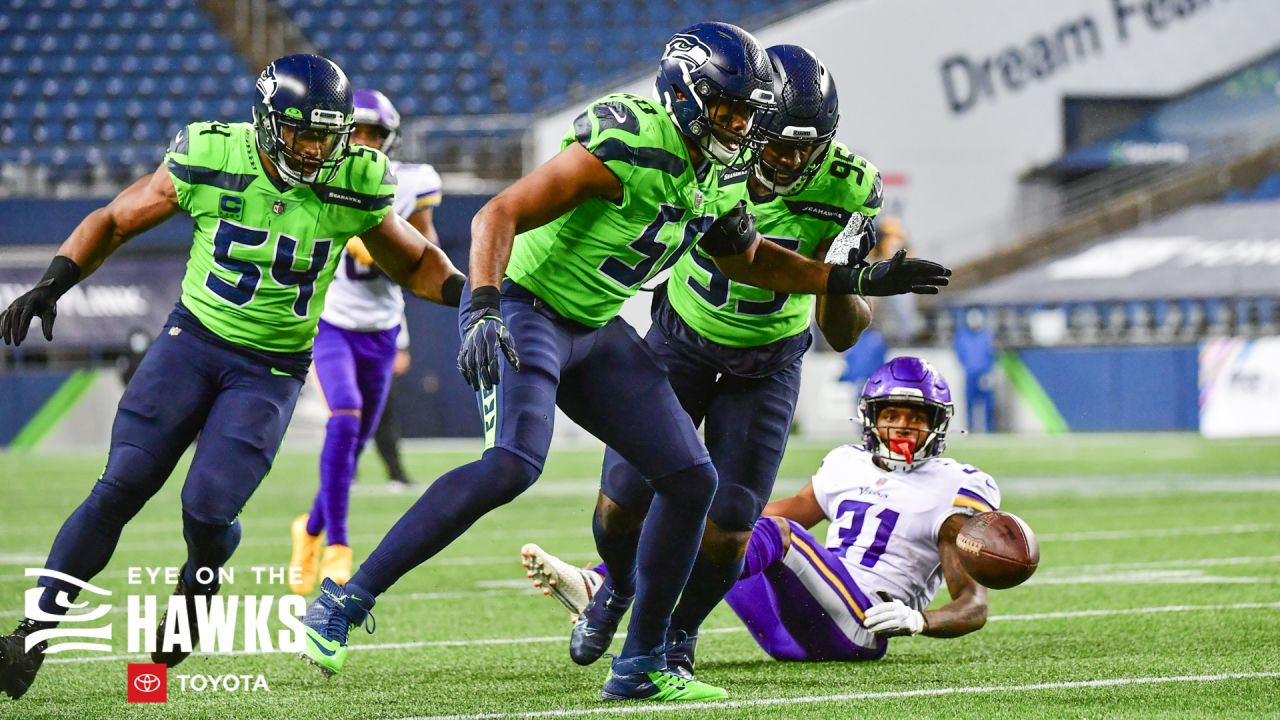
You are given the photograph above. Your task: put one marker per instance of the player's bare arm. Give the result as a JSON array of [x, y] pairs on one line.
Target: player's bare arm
[[423, 221], [560, 185], [967, 610], [802, 507], [138, 208], [409, 259], [841, 318]]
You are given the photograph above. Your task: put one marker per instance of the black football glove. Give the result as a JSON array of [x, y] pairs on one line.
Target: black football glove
[[40, 301], [483, 336], [731, 233], [896, 276]]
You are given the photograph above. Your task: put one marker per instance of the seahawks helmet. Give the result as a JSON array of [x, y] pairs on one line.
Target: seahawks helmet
[[304, 116], [906, 381], [373, 108], [711, 73], [803, 124]]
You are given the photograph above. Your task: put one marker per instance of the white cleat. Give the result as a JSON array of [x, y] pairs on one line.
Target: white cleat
[[572, 586]]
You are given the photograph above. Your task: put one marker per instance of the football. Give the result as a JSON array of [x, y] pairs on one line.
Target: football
[[998, 549]]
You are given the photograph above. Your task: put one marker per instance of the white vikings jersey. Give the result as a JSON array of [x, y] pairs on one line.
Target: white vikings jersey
[[362, 297], [884, 525]]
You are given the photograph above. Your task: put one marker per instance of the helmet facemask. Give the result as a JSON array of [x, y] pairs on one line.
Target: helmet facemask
[[918, 446], [781, 177], [305, 152]]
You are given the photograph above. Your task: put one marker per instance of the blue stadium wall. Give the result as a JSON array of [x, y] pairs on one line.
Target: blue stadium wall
[[1119, 388]]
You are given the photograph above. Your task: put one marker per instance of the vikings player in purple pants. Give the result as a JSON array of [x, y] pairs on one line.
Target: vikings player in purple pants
[[895, 507], [355, 351]]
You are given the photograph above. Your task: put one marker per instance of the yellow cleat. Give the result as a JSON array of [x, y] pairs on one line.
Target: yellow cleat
[[306, 557], [336, 564]]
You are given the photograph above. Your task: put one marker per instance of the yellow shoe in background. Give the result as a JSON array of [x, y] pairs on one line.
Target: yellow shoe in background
[[336, 564], [306, 557]]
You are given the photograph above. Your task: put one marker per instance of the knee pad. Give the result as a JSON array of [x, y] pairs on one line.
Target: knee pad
[[509, 474], [343, 427], [117, 498], [736, 508], [698, 483]]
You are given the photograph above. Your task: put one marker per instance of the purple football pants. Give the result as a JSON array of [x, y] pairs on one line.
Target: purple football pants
[[803, 606], [354, 372]]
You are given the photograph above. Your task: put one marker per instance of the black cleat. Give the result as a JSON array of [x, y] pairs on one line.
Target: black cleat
[[176, 655], [18, 667]]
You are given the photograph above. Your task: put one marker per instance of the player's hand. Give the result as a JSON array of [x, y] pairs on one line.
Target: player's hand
[[893, 619], [731, 233], [38, 302], [896, 276], [484, 335]]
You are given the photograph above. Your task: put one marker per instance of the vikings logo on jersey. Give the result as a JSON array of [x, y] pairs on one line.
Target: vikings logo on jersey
[[687, 50]]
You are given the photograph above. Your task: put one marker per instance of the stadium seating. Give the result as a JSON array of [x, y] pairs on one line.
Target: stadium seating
[[108, 81]]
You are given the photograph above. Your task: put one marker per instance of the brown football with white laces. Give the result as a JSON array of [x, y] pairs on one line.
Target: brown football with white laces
[[998, 549]]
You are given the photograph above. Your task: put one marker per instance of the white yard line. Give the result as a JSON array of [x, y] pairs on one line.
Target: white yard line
[[645, 708], [480, 642]]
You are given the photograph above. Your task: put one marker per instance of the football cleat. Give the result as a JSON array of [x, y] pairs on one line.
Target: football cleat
[[18, 667], [648, 678], [173, 656], [572, 586], [336, 563], [306, 557], [330, 620], [596, 625]]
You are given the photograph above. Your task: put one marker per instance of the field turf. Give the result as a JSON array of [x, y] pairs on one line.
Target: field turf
[[1158, 595]]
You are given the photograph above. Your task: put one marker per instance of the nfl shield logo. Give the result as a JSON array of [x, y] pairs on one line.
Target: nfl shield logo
[[697, 199], [278, 207]]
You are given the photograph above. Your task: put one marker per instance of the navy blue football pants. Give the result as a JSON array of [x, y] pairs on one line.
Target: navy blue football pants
[[186, 385], [607, 380], [747, 423]]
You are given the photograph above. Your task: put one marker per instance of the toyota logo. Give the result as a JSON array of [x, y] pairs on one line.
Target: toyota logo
[[147, 683]]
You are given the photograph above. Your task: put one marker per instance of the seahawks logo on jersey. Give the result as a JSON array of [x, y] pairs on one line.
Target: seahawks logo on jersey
[[687, 49]]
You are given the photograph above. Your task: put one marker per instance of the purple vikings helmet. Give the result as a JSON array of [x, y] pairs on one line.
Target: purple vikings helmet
[[906, 380], [373, 108]]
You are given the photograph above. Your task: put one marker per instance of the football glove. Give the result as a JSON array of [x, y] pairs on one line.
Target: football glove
[[731, 233], [484, 335], [40, 301], [893, 619], [896, 276]]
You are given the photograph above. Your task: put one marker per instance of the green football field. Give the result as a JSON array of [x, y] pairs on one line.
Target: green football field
[[1158, 595]]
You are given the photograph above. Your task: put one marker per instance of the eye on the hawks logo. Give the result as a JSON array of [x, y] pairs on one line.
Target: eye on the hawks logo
[[687, 49]]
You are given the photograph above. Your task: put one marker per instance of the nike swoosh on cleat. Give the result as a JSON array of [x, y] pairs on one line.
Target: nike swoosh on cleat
[[322, 648], [281, 373]]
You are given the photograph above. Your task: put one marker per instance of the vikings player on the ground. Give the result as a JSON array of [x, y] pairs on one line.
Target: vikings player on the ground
[[895, 506], [355, 353]]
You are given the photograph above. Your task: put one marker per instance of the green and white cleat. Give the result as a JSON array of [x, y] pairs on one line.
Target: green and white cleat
[[572, 586]]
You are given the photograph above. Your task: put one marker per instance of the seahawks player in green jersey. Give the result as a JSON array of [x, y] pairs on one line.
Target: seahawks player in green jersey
[[552, 260], [274, 202], [733, 351]]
